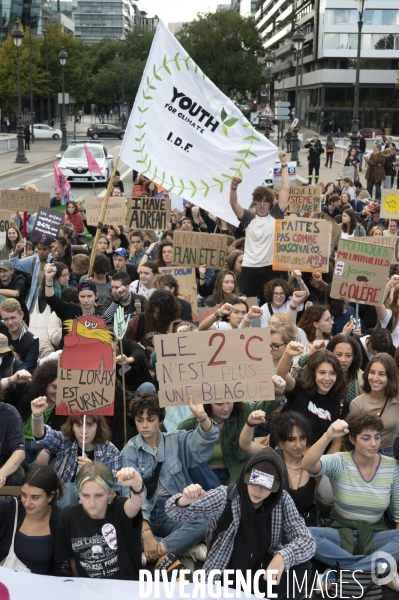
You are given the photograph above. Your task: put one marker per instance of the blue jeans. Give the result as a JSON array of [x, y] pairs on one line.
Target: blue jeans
[[70, 495], [387, 451], [329, 551], [32, 449], [361, 154], [176, 536]]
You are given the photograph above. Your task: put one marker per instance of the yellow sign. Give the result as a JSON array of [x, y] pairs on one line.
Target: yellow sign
[[390, 204]]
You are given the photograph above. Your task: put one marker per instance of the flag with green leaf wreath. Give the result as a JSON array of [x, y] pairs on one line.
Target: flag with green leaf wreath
[[187, 136]]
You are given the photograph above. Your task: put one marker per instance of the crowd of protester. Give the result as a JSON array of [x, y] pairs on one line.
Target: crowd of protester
[[307, 480]]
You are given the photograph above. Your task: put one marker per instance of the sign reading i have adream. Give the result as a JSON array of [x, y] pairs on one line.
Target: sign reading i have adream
[[214, 366], [196, 249]]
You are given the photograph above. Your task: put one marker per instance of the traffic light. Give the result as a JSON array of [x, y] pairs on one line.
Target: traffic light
[[254, 104]]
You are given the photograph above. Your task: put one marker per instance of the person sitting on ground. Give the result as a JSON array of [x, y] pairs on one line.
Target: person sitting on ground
[[262, 528], [138, 250], [73, 215], [67, 445], [23, 343], [13, 238], [60, 283], [34, 266], [163, 460], [364, 483], [11, 284], [281, 298], [61, 250], [144, 286], [101, 267], [121, 295], [225, 285], [169, 283], [316, 322], [12, 444], [290, 434], [37, 520], [377, 341], [231, 315], [120, 258], [161, 310], [102, 526]]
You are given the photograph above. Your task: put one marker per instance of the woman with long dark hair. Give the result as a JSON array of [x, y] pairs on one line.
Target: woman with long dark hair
[[319, 393], [317, 323], [225, 285], [37, 520], [350, 226], [380, 395]]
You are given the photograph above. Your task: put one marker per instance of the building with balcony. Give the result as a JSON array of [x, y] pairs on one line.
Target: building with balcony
[[329, 59], [246, 8]]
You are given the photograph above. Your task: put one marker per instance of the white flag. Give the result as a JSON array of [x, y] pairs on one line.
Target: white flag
[[184, 134]]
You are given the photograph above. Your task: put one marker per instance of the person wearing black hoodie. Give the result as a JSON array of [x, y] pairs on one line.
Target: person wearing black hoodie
[[264, 531]]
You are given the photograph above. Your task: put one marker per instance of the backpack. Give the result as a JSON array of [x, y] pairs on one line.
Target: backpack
[[226, 518]]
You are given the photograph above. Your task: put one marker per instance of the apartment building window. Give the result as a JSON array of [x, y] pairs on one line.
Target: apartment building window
[[370, 41], [342, 16], [381, 17]]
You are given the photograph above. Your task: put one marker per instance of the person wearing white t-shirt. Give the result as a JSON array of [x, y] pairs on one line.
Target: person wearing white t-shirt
[[145, 285], [279, 299], [259, 232]]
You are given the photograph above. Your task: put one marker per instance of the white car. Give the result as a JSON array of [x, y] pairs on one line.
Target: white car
[[74, 165], [45, 132], [274, 175]]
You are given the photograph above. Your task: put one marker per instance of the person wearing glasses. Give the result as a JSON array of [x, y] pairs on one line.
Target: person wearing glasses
[[318, 394], [67, 445], [280, 298], [259, 232]]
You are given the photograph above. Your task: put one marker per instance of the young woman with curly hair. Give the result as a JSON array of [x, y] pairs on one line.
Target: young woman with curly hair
[[319, 393], [280, 297], [68, 443]]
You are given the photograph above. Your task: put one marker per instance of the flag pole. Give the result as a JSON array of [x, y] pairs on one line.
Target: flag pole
[[100, 223]]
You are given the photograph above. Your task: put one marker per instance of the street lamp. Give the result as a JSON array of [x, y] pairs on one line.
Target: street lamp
[[17, 34], [360, 5], [47, 81], [62, 56], [269, 62], [298, 38]]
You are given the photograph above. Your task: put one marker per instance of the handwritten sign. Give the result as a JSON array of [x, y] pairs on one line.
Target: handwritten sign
[[196, 249], [114, 215], [360, 272], [301, 244], [21, 201], [214, 366], [148, 213], [90, 389], [47, 226], [185, 277], [5, 221], [390, 204], [304, 198], [388, 241], [120, 324]]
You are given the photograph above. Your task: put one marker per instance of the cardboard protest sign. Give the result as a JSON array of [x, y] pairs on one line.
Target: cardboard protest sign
[[86, 370], [304, 198], [388, 241], [19, 200], [186, 135], [389, 204], [5, 223], [360, 272], [115, 213], [301, 244], [195, 249], [47, 226], [348, 172], [148, 213], [336, 229], [185, 277], [214, 366]]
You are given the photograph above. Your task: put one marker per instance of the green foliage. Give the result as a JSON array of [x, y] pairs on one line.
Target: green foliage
[[224, 45]]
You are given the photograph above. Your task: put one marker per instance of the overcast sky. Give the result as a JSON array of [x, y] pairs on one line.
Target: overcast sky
[[178, 10]]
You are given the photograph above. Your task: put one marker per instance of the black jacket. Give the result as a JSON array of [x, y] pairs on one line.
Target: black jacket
[[10, 365], [7, 516], [315, 150], [28, 347], [362, 144]]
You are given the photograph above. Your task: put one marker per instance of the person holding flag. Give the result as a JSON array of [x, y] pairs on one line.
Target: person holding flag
[[62, 186]]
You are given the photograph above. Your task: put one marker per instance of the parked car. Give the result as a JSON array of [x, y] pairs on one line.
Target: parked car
[[45, 132], [74, 165], [105, 130], [367, 132]]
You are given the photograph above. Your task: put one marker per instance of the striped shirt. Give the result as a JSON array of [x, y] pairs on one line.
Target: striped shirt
[[355, 498]]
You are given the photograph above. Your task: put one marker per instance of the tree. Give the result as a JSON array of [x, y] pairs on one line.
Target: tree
[[225, 46], [8, 70]]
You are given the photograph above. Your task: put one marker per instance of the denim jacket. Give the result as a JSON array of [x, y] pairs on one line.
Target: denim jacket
[[178, 450]]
